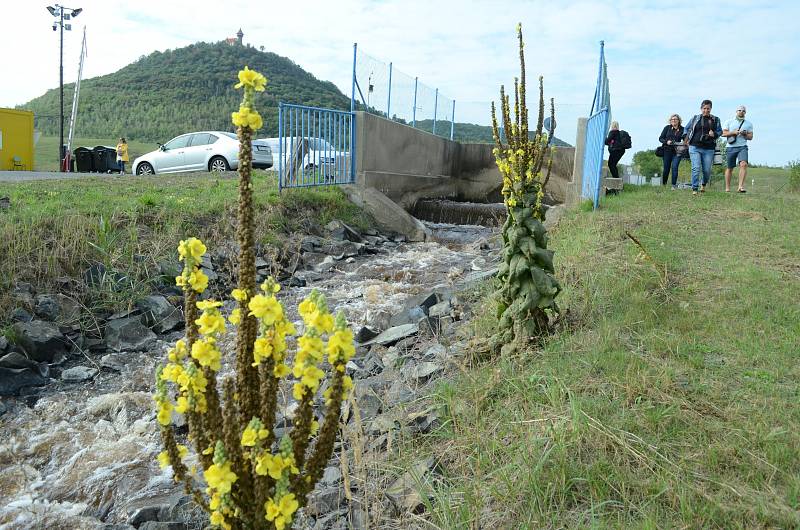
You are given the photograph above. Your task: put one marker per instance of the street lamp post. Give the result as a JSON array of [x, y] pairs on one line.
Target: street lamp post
[[58, 11]]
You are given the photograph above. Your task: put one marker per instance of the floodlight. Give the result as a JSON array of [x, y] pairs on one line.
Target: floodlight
[[52, 10], [76, 12]]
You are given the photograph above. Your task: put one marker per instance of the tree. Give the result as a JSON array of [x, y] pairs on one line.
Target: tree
[[647, 163]]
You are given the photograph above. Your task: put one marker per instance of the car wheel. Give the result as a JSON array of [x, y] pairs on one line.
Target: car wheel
[[218, 164], [144, 169]]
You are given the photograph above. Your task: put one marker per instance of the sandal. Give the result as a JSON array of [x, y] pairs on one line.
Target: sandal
[[742, 190]]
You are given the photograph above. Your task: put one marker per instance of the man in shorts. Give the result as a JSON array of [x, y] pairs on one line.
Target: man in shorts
[[738, 131]]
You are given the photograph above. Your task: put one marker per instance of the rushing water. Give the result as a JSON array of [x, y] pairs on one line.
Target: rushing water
[[83, 454]]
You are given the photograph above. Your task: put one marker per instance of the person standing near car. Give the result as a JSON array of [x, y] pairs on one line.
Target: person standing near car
[[122, 155], [738, 131], [701, 134], [671, 139], [617, 141]]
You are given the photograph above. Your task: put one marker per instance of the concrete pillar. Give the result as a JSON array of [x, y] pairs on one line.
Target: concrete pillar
[[577, 164]]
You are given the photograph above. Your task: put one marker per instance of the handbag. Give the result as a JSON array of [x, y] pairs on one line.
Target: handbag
[[660, 151], [732, 139], [682, 150]]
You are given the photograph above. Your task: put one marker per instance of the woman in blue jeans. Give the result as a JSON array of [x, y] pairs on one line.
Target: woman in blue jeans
[[701, 134], [671, 136]]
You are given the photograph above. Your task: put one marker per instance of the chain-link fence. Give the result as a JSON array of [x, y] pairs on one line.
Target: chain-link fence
[[380, 88]]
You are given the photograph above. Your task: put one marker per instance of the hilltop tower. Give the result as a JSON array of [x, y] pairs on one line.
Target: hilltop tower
[[240, 36]]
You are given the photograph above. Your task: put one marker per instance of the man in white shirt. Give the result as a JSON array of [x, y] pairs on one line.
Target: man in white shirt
[[738, 131]]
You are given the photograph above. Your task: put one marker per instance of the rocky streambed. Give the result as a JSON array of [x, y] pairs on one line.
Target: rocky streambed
[[79, 436]]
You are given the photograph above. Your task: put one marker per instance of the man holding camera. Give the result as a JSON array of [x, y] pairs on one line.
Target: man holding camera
[[738, 131], [701, 133]]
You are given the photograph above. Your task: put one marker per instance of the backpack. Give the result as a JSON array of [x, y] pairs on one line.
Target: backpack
[[624, 140]]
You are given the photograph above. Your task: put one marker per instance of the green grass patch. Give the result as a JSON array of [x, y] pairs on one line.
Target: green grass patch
[[668, 401], [57, 229]]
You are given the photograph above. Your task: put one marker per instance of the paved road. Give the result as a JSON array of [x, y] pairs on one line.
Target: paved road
[[22, 176]]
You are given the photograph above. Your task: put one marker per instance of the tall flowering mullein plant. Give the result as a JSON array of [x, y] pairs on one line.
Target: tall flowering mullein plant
[[236, 468], [527, 288]]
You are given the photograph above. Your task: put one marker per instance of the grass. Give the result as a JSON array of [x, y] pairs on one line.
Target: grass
[[46, 150], [668, 401], [55, 230]]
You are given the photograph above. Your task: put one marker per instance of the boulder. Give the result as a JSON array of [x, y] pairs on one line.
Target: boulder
[[129, 334], [78, 374], [408, 316], [3, 344], [341, 231], [159, 314], [394, 334], [57, 308], [42, 341], [365, 334], [20, 315], [114, 361], [325, 501], [17, 372], [421, 372], [404, 493]]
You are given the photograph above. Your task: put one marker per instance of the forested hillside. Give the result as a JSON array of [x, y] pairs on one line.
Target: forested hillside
[[172, 92]]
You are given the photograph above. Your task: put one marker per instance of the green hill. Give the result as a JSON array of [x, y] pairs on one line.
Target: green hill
[[172, 92]]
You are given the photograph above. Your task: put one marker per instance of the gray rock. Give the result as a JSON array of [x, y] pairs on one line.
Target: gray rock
[[553, 215], [261, 263], [476, 277], [397, 394], [437, 351], [423, 422], [42, 341], [23, 294], [159, 314], [379, 321], [344, 249], [311, 244], [129, 334], [157, 525], [57, 308], [325, 501], [143, 514], [341, 231], [12, 380], [383, 424], [404, 493], [440, 309], [114, 361], [326, 265], [394, 334], [365, 334], [368, 405], [331, 476], [408, 316], [3, 408], [16, 360], [421, 372], [77, 374], [20, 315], [312, 259], [425, 300], [3, 344]]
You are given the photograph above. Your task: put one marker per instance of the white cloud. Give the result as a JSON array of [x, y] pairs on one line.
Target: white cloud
[[662, 57]]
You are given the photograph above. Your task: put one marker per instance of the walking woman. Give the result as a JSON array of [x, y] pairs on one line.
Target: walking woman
[[702, 132], [122, 155], [617, 142], [672, 140]]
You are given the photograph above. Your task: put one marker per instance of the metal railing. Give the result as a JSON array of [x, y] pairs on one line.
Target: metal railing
[[316, 146], [596, 131]]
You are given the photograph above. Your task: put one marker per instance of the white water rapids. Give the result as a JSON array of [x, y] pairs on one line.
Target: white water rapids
[[81, 455]]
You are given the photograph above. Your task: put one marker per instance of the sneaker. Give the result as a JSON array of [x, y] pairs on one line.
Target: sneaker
[[694, 192], [674, 188]]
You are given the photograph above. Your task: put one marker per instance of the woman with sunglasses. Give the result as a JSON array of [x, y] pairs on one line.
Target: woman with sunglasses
[[672, 140]]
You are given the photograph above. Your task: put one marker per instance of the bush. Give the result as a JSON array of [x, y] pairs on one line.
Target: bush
[[794, 175]]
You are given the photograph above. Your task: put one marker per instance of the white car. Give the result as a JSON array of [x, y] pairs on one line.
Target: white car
[[200, 151], [321, 154]]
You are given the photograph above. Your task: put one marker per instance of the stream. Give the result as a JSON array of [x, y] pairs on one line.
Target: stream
[[83, 455]]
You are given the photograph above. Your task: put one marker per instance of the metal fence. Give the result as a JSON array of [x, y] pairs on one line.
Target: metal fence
[[315, 146], [596, 131], [381, 89]]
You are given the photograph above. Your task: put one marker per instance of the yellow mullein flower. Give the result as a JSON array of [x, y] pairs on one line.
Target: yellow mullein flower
[[247, 117], [220, 477], [235, 317], [281, 370], [198, 280], [262, 349], [217, 519], [310, 376], [207, 354], [298, 391], [267, 308], [178, 352], [192, 247], [215, 501], [203, 305], [240, 295], [249, 437], [164, 415], [251, 79], [210, 322], [171, 372], [281, 513], [181, 405], [163, 460]]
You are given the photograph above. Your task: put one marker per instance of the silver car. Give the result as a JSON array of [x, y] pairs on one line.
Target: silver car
[[200, 151], [321, 154]]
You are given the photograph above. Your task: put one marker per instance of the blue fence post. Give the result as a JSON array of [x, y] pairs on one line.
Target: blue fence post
[[353, 89], [453, 120], [280, 146], [414, 108], [389, 99], [435, 109]]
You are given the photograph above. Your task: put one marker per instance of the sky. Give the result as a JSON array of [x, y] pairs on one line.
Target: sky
[[663, 57]]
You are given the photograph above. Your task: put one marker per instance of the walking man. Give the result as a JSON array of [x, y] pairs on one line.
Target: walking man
[[738, 131], [701, 133]]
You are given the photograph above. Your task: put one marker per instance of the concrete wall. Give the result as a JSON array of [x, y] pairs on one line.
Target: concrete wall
[[407, 165]]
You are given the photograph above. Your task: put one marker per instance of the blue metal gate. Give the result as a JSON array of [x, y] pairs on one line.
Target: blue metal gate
[[596, 131], [316, 146]]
